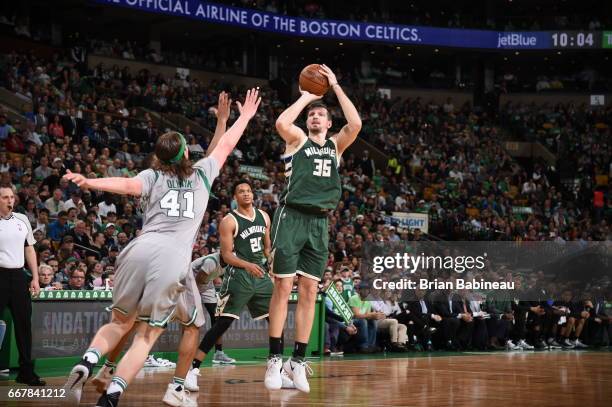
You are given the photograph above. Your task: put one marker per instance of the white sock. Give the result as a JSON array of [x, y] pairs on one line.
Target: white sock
[[116, 385], [92, 355]]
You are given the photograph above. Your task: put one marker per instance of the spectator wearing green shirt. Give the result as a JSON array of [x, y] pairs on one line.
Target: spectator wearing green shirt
[[364, 319]]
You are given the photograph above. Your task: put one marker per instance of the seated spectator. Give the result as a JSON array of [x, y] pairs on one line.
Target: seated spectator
[[65, 270], [98, 245], [76, 202], [55, 204], [111, 259], [42, 220], [95, 276], [572, 320], [122, 241], [67, 250], [364, 320], [107, 205], [81, 238], [348, 290], [423, 318], [45, 278], [72, 217], [110, 280], [59, 228], [390, 326], [43, 170], [116, 169], [56, 130], [599, 326], [456, 325], [76, 280], [500, 324], [335, 325], [110, 231]]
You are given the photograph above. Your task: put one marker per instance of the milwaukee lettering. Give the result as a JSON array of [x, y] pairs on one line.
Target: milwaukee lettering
[[320, 151], [251, 230], [515, 40]]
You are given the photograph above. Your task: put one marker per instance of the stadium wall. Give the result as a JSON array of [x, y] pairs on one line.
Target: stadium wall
[[552, 98], [439, 96], [170, 71]]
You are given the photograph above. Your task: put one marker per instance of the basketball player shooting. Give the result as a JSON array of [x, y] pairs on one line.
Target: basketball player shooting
[[299, 228]]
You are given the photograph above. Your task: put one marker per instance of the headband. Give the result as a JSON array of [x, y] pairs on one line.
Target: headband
[[181, 151]]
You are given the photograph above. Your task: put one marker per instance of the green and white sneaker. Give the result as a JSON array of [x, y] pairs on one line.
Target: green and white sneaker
[[221, 358]]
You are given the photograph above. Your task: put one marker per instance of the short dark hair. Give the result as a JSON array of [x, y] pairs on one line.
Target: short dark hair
[[319, 105], [240, 182], [62, 213]]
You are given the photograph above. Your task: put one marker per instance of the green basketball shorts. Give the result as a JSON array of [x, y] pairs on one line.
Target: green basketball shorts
[[240, 289], [299, 243]]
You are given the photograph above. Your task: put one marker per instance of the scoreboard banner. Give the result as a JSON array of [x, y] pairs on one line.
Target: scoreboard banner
[[396, 34], [63, 329]]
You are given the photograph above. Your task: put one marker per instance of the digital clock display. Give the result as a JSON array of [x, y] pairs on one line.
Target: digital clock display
[[575, 39]]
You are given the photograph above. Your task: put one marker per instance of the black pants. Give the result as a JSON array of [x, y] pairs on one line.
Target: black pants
[[419, 327], [15, 293], [448, 328], [211, 307], [499, 328], [480, 334]]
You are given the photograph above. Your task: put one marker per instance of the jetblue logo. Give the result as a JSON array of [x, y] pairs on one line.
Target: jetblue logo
[[515, 40]]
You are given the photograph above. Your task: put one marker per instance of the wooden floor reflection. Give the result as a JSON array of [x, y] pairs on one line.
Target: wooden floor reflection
[[555, 379]]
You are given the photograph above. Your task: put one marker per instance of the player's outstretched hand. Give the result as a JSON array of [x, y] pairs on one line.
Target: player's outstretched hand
[[223, 109], [78, 179], [331, 76], [254, 270], [251, 103]]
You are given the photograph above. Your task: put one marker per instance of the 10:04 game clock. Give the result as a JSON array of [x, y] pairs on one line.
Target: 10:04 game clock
[[575, 39]]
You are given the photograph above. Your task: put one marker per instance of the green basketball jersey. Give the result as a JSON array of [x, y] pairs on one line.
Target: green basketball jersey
[[313, 181], [249, 237]]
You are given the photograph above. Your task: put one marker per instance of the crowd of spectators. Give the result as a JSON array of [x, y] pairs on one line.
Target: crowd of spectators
[[213, 58], [444, 160]]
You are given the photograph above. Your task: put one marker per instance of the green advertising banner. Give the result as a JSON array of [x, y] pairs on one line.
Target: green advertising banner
[[79, 295], [339, 304]]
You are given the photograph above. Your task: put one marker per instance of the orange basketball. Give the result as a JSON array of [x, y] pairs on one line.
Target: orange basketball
[[312, 81]]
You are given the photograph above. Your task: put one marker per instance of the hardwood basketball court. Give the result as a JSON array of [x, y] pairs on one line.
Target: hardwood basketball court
[[555, 379]]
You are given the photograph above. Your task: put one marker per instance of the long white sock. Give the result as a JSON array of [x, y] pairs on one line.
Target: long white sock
[[116, 385]]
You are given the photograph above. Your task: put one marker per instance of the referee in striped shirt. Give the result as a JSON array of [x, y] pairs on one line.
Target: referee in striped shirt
[[17, 242]]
